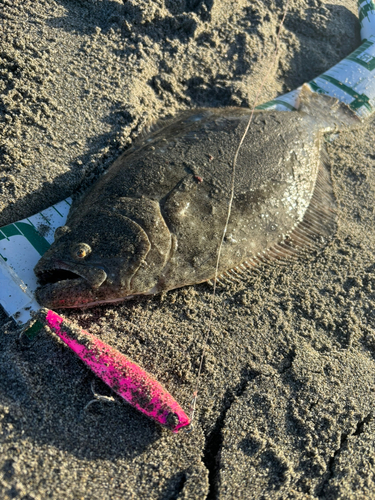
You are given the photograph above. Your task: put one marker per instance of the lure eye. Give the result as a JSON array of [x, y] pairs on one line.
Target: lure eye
[[81, 251], [172, 420]]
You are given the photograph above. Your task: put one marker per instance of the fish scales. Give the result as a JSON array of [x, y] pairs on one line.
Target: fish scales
[[155, 220]]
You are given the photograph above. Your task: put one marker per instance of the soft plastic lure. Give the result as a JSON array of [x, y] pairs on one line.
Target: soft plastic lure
[[123, 376]]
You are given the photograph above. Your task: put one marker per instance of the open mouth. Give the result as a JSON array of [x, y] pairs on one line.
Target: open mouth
[[63, 288], [64, 273], [56, 275]]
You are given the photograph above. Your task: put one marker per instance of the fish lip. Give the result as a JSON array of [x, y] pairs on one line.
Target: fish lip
[[82, 273], [52, 295]]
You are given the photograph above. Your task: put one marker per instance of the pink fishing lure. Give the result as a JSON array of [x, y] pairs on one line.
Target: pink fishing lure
[[123, 376]]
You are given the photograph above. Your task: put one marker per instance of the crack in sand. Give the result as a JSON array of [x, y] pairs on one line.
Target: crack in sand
[[214, 439], [181, 479], [342, 444], [360, 426]]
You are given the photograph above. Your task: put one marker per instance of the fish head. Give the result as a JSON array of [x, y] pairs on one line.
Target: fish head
[[92, 260]]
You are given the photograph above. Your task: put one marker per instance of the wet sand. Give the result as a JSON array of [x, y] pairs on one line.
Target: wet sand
[[288, 388]]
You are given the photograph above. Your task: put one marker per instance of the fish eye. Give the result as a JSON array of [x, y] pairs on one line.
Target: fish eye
[[81, 251]]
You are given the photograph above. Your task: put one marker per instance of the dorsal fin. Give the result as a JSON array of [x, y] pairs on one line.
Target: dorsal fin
[[150, 128], [312, 234], [153, 127]]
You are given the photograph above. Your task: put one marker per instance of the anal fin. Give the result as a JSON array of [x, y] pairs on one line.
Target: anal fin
[[319, 223], [312, 234]]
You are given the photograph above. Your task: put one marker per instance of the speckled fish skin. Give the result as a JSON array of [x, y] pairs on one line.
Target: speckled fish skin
[[154, 221]]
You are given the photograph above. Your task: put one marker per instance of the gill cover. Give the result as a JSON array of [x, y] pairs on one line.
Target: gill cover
[[101, 246], [105, 254]]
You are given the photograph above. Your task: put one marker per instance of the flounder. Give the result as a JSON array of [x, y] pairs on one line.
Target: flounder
[[154, 221]]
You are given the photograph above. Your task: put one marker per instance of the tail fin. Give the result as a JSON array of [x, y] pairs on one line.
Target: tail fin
[[335, 114]]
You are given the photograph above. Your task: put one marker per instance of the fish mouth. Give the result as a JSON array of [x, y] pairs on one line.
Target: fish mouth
[[62, 271], [68, 285], [63, 287], [57, 275]]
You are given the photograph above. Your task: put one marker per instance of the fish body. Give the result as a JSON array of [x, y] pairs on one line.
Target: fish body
[[155, 220], [123, 376]]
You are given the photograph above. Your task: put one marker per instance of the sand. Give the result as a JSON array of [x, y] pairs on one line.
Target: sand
[[286, 399]]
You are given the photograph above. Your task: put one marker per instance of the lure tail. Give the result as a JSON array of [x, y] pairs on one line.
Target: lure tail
[[123, 376]]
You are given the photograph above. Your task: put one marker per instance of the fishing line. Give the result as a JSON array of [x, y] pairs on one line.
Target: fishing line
[[231, 198]]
